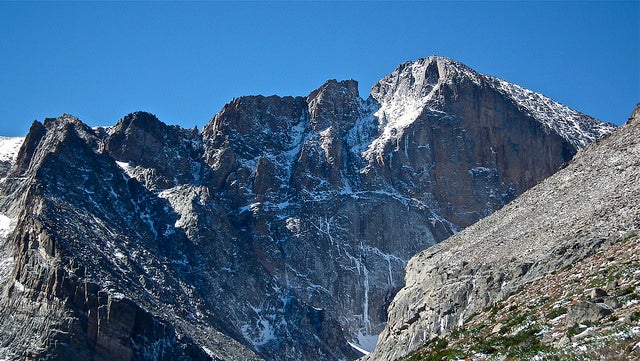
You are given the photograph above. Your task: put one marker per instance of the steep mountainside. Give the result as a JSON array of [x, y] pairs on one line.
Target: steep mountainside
[[554, 274], [311, 205]]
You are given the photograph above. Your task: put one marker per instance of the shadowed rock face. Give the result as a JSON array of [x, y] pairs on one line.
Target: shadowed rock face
[[280, 231], [487, 153], [159, 155], [572, 218], [80, 244]]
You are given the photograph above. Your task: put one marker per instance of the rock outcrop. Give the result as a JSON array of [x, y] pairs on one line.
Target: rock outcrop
[[556, 232], [85, 274], [280, 231]]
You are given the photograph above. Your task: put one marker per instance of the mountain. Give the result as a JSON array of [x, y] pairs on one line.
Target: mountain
[[280, 231], [553, 275]]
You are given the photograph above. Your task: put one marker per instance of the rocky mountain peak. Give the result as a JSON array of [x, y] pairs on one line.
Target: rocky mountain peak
[[47, 137], [140, 121], [436, 84], [253, 127], [417, 80], [26, 151], [334, 104], [314, 203], [635, 115], [134, 135], [258, 118], [63, 120], [68, 125], [158, 155]]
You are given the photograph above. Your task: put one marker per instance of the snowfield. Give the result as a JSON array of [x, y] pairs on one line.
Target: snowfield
[[9, 147]]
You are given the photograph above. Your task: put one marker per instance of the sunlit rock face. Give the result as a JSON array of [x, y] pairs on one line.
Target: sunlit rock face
[[280, 231], [553, 243]]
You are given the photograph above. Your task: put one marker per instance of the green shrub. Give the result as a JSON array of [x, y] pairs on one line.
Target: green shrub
[[555, 312], [573, 330], [435, 350], [626, 291]]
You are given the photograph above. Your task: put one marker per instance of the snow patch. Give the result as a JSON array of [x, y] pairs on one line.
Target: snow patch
[[481, 171], [264, 333], [126, 167], [359, 349], [294, 225], [6, 260], [18, 286], [9, 148], [577, 128], [148, 219], [364, 130], [6, 226], [367, 342], [119, 255], [405, 94], [209, 352]]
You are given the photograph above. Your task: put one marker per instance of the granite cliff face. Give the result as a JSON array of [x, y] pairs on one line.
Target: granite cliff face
[[554, 274], [280, 231]]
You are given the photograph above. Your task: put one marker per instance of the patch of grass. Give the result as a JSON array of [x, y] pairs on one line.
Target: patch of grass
[[567, 267], [573, 330], [544, 300], [596, 282], [495, 309], [555, 312], [626, 291], [485, 346], [517, 319], [457, 333], [524, 343], [477, 328], [436, 349], [630, 237], [634, 317]]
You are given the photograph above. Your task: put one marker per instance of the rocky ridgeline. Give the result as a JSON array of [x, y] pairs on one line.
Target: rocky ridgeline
[[281, 231], [554, 274]]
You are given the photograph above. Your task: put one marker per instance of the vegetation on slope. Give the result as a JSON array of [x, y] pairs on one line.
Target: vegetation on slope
[[589, 310]]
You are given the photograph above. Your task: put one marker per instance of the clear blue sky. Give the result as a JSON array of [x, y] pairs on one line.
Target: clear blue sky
[[184, 61]]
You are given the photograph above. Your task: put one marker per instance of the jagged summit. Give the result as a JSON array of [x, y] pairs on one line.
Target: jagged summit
[[65, 118], [140, 119], [635, 115], [428, 83], [332, 103], [313, 205]]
